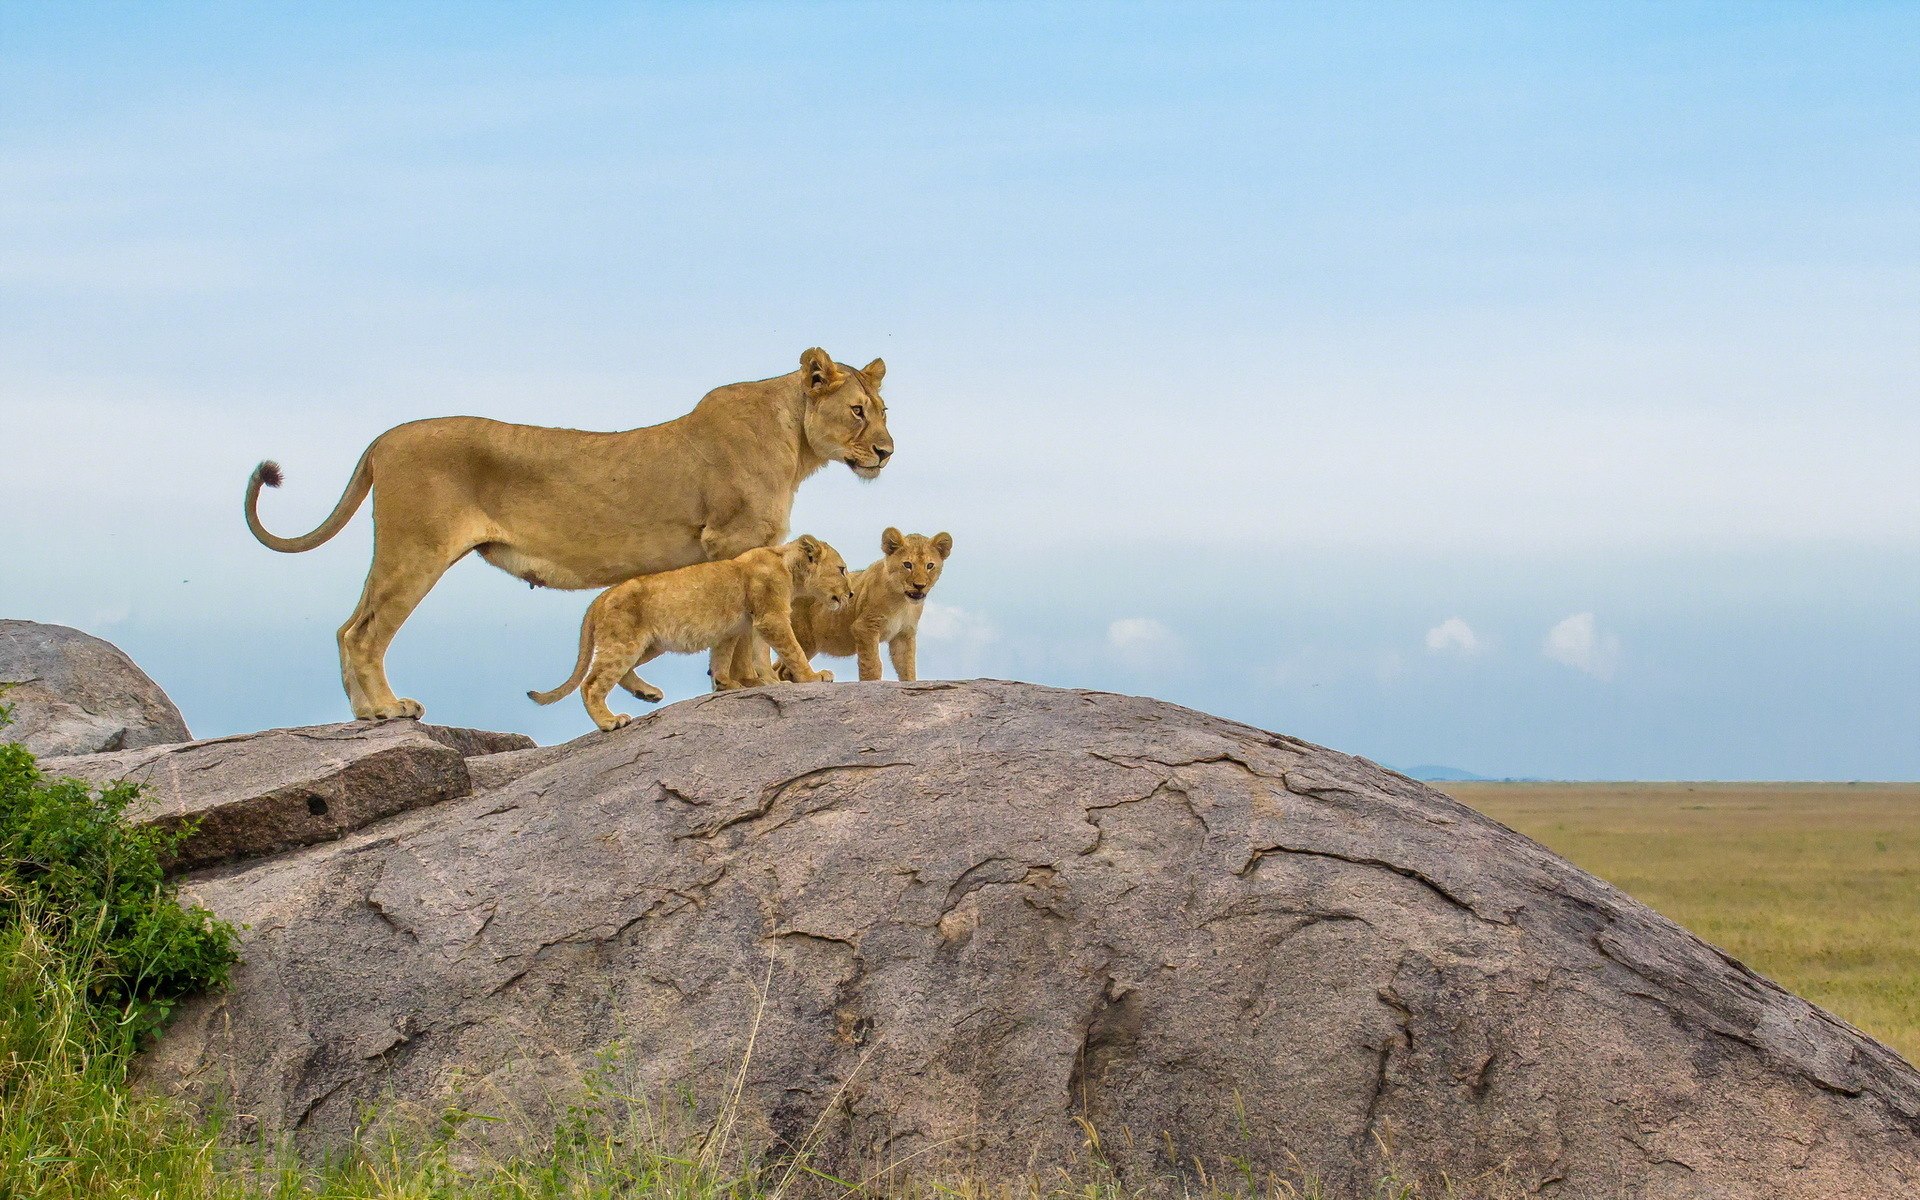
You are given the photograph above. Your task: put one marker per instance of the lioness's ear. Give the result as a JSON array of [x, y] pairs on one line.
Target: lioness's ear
[[943, 544], [818, 372], [811, 545], [891, 540], [875, 371]]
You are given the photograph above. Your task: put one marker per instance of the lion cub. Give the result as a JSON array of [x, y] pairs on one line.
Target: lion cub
[[707, 606], [887, 600]]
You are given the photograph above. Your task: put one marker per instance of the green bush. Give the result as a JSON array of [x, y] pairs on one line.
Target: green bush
[[93, 887]]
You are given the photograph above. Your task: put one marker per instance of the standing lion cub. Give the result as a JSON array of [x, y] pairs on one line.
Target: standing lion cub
[[887, 600], [707, 606]]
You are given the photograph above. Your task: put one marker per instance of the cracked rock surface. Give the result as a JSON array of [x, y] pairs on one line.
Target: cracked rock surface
[[73, 693], [983, 913], [255, 793]]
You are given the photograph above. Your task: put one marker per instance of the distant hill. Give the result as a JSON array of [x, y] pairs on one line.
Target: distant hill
[[1449, 774]]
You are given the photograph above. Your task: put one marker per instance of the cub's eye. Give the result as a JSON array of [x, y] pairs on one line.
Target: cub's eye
[[859, 412]]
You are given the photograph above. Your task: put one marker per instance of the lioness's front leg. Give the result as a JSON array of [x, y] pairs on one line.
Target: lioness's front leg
[[901, 650]]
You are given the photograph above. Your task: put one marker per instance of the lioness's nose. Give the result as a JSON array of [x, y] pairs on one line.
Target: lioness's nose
[[882, 453]]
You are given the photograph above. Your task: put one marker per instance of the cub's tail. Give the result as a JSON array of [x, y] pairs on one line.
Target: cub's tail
[[267, 474], [579, 664]]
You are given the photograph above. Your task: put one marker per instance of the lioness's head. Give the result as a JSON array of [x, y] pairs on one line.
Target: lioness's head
[[846, 419], [818, 571], [914, 561]]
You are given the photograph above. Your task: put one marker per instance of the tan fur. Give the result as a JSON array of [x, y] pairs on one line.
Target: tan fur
[[708, 606], [565, 508], [888, 598]]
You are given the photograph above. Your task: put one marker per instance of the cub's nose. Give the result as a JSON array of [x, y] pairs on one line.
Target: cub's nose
[[882, 453]]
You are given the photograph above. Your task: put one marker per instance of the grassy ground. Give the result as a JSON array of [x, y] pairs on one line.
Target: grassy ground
[[1814, 885]]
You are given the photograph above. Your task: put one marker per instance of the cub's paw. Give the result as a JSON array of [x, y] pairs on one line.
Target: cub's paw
[[823, 676], [648, 692], [619, 719]]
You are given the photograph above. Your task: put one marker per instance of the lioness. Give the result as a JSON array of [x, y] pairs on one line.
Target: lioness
[[564, 508], [708, 606], [887, 600]]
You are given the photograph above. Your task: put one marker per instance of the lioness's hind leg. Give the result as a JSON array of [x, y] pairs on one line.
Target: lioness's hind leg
[[403, 572]]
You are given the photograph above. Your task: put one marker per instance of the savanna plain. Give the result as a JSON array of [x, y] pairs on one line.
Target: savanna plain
[[1814, 885]]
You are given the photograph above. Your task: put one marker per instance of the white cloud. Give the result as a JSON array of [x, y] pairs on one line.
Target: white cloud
[[1579, 643], [1142, 641], [950, 623], [1454, 636]]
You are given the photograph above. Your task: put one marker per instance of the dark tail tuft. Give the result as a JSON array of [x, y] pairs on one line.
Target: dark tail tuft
[[269, 473]]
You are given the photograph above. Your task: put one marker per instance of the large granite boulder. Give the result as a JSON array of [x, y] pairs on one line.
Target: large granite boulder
[[73, 693], [256, 793], [965, 924]]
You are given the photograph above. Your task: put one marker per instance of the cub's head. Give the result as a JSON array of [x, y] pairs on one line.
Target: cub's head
[[819, 571], [846, 419], [914, 561]]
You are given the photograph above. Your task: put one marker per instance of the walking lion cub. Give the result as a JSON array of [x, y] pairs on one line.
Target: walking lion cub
[[887, 600], [707, 606]]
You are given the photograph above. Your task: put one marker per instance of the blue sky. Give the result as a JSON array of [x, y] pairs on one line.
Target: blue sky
[[1531, 388]]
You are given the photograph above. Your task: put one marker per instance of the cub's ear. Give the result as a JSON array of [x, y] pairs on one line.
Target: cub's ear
[[891, 540], [818, 373], [811, 545], [943, 544], [875, 371]]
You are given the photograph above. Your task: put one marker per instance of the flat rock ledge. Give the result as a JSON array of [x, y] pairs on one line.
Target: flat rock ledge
[[259, 793], [963, 924]]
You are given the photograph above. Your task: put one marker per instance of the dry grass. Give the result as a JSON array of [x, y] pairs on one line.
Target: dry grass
[[1814, 885]]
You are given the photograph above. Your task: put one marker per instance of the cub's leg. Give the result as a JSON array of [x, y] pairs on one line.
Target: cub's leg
[[776, 629], [721, 662], [640, 687], [807, 651], [747, 665], [901, 650], [866, 643], [612, 660]]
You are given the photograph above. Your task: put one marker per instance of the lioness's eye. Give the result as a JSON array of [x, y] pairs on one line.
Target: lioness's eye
[[859, 412]]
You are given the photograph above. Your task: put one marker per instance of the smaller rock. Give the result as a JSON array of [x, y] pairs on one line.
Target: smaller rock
[[73, 693], [475, 743], [498, 770], [259, 793]]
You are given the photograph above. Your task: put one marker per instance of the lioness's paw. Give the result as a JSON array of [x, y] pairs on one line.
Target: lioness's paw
[[399, 708], [619, 719]]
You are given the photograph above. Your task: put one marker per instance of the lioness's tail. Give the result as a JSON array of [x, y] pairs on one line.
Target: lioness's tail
[[268, 474], [579, 665]]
